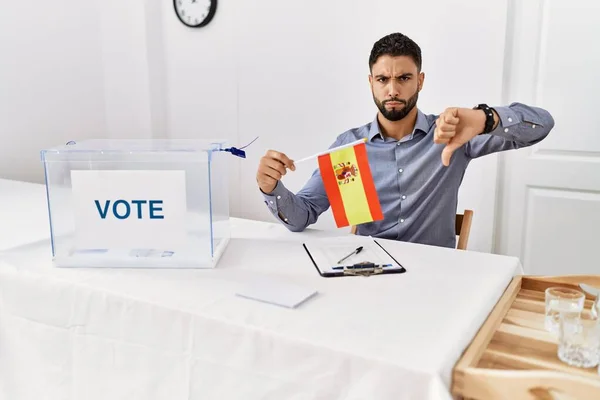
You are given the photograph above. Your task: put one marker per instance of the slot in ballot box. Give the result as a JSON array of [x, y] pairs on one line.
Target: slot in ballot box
[[138, 203]]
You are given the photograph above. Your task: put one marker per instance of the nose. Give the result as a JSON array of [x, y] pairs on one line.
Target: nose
[[393, 90]]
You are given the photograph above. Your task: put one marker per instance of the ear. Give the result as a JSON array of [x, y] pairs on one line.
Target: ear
[[421, 80], [370, 80]]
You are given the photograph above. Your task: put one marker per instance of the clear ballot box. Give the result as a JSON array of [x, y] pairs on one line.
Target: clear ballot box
[[138, 203]]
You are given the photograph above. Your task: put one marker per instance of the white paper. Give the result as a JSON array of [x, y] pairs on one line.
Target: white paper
[[327, 253], [94, 197], [276, 292]]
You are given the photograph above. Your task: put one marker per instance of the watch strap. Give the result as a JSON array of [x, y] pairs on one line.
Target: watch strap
[[489, 117]]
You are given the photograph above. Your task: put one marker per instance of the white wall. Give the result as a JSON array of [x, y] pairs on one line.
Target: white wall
[[295, 74], [51, 81], [77, 70], [125, 67]]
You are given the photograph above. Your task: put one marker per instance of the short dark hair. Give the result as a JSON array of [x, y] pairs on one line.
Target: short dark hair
[[395, 44]]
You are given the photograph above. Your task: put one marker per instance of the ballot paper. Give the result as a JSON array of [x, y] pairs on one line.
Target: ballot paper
[[276, 292]]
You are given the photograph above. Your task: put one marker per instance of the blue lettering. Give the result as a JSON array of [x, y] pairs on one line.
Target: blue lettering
[[139, 206], [104, 211], [127, 209], [154, 209]]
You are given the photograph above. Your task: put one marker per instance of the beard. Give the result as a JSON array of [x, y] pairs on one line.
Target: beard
[[397, 114]]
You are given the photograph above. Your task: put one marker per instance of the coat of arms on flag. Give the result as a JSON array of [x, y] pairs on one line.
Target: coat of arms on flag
[[349, 185], [345, 172]]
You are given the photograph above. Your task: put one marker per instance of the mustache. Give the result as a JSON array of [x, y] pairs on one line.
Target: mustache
[[396, 100]]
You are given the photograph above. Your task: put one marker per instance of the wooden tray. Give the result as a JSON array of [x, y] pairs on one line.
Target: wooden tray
[[514, 357]]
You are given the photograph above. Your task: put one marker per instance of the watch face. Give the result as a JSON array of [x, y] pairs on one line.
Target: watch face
[[195, 13]]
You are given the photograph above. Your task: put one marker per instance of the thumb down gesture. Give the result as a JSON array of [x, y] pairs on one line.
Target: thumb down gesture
[[455, 127]]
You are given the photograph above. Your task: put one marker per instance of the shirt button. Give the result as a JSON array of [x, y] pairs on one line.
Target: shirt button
[[401, 220], [271, 201], [403, 197], [533, 126], [510, 120], [285, 219], [278, 197], [398, 144], [506, 130], [400, 170]]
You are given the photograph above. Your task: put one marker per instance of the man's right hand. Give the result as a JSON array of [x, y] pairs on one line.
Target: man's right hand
[[273, 165]]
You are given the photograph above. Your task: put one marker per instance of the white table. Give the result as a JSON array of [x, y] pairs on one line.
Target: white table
[[23, 213], [183, 334]]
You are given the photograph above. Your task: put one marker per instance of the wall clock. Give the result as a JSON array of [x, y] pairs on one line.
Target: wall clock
[[195, 13]]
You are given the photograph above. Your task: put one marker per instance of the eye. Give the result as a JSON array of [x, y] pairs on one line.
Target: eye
[[404, 78], [382, 79]]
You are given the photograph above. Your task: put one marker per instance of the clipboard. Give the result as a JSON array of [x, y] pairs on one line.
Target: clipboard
[[374, 259]]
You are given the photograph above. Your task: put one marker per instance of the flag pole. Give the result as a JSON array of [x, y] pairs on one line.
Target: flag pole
[[352, 144]]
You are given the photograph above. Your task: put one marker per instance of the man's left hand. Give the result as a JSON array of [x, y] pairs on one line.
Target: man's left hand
[[455, 127]]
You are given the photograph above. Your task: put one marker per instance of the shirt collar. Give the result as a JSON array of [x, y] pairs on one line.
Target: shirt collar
[[420, 125]]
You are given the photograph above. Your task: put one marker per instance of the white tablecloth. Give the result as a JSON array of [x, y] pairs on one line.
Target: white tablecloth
[[82, 334], [23, 213]]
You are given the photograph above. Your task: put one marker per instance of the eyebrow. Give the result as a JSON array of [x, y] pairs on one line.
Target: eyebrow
[[408, 75]]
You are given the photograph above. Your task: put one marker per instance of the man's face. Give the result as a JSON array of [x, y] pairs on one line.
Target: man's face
[[395, 83]]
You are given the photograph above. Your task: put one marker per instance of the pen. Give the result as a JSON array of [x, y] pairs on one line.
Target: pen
[[358, 250], [359, 266]]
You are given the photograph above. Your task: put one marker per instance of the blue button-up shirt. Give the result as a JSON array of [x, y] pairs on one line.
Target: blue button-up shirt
[[418, 195]]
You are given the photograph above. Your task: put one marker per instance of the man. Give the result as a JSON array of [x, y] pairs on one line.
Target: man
[[417, 161]]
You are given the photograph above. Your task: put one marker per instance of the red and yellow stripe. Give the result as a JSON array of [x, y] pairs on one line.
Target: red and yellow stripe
[[355, 202]]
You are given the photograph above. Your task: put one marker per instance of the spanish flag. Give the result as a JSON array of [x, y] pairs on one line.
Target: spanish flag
[[349, 185]]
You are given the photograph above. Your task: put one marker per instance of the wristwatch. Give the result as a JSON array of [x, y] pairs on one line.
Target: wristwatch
[[489, 117]]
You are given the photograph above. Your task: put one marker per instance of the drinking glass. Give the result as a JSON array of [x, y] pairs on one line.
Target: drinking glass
[[560, 300], [579, 341]]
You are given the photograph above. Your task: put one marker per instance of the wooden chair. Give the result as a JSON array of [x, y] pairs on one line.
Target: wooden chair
[[462, 228]]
